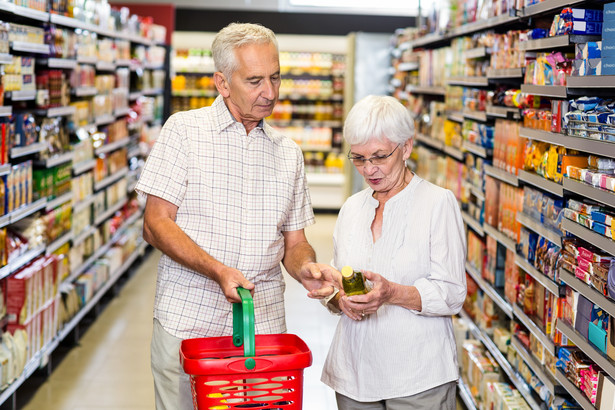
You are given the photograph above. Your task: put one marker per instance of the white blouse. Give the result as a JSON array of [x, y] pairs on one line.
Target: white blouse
[[398, 352]]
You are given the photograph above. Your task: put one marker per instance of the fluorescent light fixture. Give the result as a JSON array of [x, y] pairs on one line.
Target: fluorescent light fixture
[[387, 7]]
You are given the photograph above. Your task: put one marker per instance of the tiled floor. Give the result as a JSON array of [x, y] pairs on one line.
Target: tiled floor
[[109, 368]]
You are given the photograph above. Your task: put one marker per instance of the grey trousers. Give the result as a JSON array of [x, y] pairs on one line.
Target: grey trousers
[[441, 397], [171, 384]]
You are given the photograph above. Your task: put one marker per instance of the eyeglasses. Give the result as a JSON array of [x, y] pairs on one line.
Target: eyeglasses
[[376, 160]]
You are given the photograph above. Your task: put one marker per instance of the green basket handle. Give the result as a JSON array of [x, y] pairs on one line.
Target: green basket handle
[[243, 326]]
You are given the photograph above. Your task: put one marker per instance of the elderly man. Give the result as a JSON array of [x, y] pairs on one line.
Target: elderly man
[[227, 201]]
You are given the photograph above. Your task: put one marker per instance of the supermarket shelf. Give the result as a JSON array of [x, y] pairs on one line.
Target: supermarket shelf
[[539, 228], [407, 66], [475, 115], [577, 394], [305, 123], [112, 146], [110, 179], [550, 43], [554, 91], [152, 91], [483, 25], [325, 179], [96, 298], [5, 169], [54, 203], [591, 81], [514, 377], [26, 258], [7, 110], [456, 116], [56, 160], [431, 142], [61, 111], [304, 148], [21, 95], [194, 93], [121, 112], [602, 242], [478, 52], [454, 152], [135, 95], [465, 395], [6, 58], [535, 330], [58, 243], [79, 206], [22, 212], [602, 148], [473, 223], [477, 149], [26, 47], [22, 260], [469, 81], [83, 166], [109, 212], [85, 91], [429, 40], [548, 6], [477, 192], [589, 292], [503, 112], [501, 175], [500, 237], [589, 191], [541, 278], [123, 62], [91, 60], [28, 149], [83, 235], [97, 254], [504, 73], [417, 89], [490, 291], [540, 182], [602, 360], [105, 66], [104, 119], [68, 63], [539, 370], [31, 13]]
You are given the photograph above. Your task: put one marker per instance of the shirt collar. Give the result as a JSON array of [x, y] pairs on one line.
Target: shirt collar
[[225, 119]]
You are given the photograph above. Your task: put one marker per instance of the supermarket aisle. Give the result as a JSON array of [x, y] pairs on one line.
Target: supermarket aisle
[[109, 369]]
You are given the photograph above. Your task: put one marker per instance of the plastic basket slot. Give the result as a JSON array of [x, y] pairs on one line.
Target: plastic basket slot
[[282, 391], [269, 398], [217, 383], [251, 393], [268, 386], [282, 378], [249, 382]]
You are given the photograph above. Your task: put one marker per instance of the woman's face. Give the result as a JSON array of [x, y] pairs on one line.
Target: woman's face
[[388, 172]]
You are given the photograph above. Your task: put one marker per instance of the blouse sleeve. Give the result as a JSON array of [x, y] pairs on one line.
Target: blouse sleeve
[[443, 291]]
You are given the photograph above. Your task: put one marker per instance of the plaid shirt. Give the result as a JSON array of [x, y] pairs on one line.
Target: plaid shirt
[[235, 194]]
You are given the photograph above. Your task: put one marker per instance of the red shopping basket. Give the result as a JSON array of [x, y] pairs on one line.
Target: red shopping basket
[[266, 373]]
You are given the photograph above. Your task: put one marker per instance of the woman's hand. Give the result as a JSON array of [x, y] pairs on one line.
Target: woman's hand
[[359, 306]]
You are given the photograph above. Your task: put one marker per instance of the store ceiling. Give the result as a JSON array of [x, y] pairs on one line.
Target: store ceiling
[[366, 7]]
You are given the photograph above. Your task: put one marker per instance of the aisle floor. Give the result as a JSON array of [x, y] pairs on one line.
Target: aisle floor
[[110, 366]]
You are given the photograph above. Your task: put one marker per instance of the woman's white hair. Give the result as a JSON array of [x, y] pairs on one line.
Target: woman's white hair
[[236, 35], [378, 116]]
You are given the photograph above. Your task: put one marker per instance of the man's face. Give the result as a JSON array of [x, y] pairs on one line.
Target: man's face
[[255, 84]]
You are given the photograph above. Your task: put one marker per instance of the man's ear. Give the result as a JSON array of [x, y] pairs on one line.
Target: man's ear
[[222, 84]]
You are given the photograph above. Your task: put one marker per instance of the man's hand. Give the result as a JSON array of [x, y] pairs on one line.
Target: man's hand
[[229, 280], [319, 279]]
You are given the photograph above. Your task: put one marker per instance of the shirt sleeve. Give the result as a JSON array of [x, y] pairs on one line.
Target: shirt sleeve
[[444, 290], [165, 172], [301, 213]]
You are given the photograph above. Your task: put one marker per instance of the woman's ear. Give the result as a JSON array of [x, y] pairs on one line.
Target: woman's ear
[[222, 84], [408, 148]]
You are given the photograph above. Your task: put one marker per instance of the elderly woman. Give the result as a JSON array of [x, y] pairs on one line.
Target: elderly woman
[[394, 347]]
